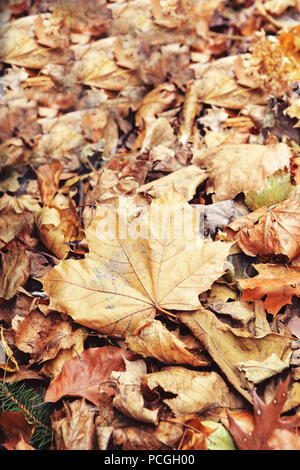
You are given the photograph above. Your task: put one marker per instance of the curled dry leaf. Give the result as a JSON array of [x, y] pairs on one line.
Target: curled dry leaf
[[185, 181], [153, 339], [83, 375], [185, 385], [125, 280], [53, 367], [164, 436], [14, 272], [43, 336], [154, 103], [57, 227], [9, 363], [279, 283], [128, 398], [48, 180], [217, 86], [231, 346], [269, 230], [18, 46], [74, 426], [233, 169], [238, 310], [257, 371]]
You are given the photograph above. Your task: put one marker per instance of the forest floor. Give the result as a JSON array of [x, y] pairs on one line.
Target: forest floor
[[149, 225]]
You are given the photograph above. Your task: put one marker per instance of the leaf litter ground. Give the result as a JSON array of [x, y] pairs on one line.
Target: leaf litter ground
[[178, 120]]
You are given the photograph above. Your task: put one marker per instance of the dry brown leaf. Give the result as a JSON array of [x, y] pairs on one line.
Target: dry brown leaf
[[57, 227], [18, 46], [185, 385], [238, 310], [153, 339], [132, 277], [234, 169], [15, 431], [14, 272], [217, 85], [190, 108], [269, 230], [94, 66], [154, 103], [7, 359], [145, 437], [54, 366], [278, 282], [83, 375], [48, 179], [74, 426], [231, 346], [43, 336], [185, 181], [128, 398], [50, 31], [168, 16]]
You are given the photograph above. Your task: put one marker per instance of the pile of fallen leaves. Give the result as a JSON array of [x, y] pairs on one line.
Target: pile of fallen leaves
[[150, 342]]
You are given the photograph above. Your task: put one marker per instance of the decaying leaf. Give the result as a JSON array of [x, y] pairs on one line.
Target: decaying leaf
[[279, 284], [43, 336], [271, 431], [48, 179], [127, 276], [83, 375], [15, 271], [15, 431], [229, 165], [185, 384], [231, 346], [153, 339], [74, 426], [269, 230], [128, 397]]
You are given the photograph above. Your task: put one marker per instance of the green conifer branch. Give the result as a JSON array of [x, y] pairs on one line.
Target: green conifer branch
[[18, 397]]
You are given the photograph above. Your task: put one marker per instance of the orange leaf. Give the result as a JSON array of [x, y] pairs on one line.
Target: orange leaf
[[277, 282], [269, 230]]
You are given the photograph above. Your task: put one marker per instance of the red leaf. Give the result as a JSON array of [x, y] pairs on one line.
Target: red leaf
[[271, 431], [82, 375]]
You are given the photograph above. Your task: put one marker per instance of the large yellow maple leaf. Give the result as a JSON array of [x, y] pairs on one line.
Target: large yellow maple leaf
[[125, 280]]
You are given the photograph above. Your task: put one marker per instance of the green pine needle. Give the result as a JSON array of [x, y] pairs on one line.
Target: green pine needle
[[18, 397]]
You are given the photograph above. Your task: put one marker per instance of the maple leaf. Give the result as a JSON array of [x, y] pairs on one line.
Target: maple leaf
[[279, 284], [270, 429], [123, 281], [153, 339], [269, 230]]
